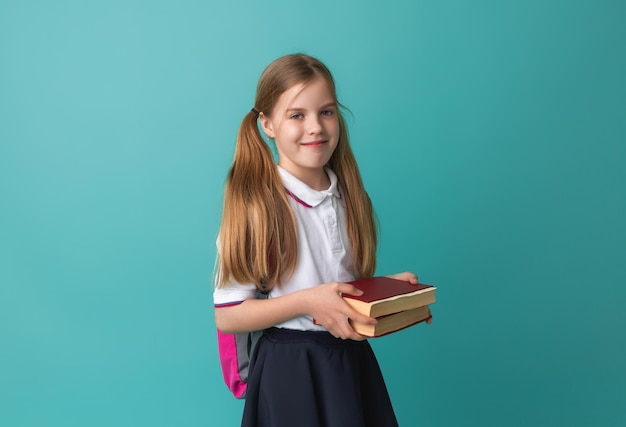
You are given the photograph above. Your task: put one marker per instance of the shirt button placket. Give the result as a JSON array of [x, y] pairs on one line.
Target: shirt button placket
[[333, 233]]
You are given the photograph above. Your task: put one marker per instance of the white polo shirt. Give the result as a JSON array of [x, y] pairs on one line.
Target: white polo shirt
[[324, 253]]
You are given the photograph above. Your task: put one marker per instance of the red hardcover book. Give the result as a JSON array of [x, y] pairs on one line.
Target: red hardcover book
[[393, 322], [383, 295]]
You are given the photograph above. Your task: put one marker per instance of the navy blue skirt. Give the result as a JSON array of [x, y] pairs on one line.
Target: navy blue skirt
[[312, 379]]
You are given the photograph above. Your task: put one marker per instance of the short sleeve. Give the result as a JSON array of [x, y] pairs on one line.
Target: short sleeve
[[232, 293]]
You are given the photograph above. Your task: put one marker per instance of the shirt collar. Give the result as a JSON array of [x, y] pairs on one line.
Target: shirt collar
[[307, 194]]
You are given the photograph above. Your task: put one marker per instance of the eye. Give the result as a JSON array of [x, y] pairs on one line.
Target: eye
[[296, 116], [327, 112]]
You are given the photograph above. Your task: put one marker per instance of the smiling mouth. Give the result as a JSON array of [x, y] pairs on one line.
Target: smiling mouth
[[313, 143]]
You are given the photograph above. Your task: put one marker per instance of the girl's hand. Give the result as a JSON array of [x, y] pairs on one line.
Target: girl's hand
[[329, 309], [407, 276]]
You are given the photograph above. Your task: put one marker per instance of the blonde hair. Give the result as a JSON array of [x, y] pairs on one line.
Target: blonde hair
[[258, 236]]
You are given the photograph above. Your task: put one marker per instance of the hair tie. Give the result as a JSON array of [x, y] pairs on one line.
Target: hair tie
[[255, 111]]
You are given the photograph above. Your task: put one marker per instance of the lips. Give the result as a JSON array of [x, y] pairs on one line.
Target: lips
[[313, 143]]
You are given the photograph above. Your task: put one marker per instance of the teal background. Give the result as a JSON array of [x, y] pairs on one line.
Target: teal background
[[491, 136]]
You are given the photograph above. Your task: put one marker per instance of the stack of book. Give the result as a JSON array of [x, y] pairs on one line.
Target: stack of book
[[396, 304]]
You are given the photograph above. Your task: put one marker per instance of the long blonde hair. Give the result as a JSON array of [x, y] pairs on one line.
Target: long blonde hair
[[258, 237]]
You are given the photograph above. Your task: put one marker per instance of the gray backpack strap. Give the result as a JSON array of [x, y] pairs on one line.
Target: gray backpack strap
[[253, 337]]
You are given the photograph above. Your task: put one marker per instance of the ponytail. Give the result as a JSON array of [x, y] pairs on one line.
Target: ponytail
[[258, 232]]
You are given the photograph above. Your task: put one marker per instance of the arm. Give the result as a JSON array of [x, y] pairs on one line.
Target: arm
[[324, 303]]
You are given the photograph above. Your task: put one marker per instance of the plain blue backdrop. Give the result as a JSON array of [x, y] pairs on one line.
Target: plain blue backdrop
[[491, 137]]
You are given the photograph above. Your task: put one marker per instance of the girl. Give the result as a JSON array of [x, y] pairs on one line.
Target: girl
[[297, 231]]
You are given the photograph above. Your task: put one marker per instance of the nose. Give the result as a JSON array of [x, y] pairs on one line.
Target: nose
[[314, 125]]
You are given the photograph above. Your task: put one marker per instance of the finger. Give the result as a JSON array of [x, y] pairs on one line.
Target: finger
[[345, 288], [347, 332], [343, 331], [410, 277], [355, 316], [355, 335], [407, 276], [361, 318], [352, 335]]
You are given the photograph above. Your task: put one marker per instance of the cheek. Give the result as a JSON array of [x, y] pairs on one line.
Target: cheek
[[290, 133], [333, 128]]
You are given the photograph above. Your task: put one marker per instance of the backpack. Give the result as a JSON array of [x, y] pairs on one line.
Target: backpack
[[235, 351]]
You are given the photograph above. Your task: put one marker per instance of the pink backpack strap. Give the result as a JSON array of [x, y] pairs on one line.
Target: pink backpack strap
[[235, 361], [235, 351]]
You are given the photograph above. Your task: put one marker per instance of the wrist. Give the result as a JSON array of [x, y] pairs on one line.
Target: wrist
[[302, 302]]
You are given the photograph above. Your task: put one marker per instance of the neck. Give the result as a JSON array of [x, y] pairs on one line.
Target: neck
[[319, 183]]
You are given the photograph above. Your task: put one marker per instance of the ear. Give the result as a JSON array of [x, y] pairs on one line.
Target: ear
[[266, 125]]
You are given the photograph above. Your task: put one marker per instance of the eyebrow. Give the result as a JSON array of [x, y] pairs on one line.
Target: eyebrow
[[327, 105]]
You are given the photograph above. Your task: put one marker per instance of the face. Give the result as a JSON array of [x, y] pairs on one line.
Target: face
[[305, 127]]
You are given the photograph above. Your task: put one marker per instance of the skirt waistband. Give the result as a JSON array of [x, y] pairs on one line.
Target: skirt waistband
[[283, 335]]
